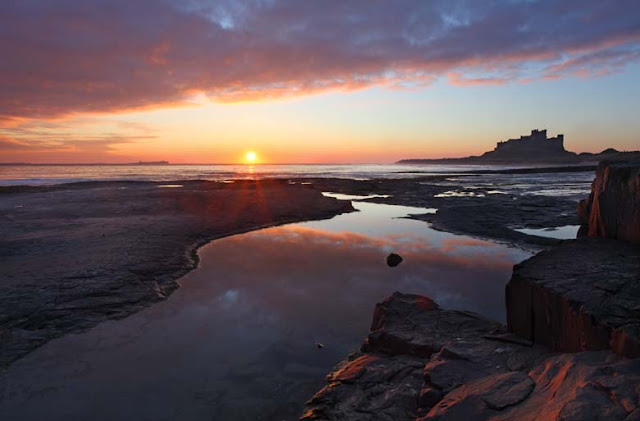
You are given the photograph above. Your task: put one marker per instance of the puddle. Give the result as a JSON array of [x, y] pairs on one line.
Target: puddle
[[567, 232], [341, 196], [453, 193]]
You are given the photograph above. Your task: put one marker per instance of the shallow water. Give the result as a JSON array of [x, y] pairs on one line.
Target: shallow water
[[566, 232], [237, 341], [54, 174]]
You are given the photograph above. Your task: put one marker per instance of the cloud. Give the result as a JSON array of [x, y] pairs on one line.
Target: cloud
[[62, 57], [79, 139]]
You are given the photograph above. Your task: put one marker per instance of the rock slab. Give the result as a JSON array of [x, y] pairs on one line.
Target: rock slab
[[581, 295], [613, 208], [421, 362]]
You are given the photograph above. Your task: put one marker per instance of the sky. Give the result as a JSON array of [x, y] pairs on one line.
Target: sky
[[206, 81]]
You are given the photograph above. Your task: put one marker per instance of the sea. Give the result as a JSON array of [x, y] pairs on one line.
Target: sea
[[577, 183]]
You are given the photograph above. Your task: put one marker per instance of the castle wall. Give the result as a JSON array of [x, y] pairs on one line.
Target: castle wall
[[536, 143]]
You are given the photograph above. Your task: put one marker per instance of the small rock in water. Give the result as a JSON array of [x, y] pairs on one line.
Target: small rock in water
[[394, 260], [319, 345]]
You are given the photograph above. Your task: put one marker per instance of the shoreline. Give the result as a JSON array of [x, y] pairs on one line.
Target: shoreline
[[112, 265], [458, 215]]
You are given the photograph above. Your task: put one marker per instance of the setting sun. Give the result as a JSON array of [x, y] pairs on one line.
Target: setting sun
[[251, 157]]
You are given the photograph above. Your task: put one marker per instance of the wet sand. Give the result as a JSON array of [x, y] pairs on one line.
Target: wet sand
[[75, 255]]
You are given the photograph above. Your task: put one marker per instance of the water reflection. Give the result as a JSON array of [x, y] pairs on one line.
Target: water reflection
[[566, 232], [237, 341]]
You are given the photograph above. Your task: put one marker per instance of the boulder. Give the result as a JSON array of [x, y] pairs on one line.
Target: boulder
[[613, 207], [394, 260], [415, 354]]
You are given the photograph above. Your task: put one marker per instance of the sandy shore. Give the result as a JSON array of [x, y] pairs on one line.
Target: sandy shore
[[74, 255]]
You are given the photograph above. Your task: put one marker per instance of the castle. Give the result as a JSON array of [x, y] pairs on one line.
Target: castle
[[536, 142]]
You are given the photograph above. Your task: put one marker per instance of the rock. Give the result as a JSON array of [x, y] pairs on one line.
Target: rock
[[476, 370], [589, 385], [581, 295], [394, 260], [413, 339], [613, 207]]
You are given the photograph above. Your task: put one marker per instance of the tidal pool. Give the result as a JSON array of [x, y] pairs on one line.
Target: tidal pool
[[237, 340], [567, 232]]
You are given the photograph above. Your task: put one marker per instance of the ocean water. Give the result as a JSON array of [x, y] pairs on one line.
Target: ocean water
[[56, 174], [574, 185]]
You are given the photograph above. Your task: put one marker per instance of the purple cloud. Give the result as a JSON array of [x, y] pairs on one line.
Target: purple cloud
[[61, 57]]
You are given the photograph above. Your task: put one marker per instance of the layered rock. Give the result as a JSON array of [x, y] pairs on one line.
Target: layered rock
[[569, 387], [421, 362], [613, 207], [584, 294], [581, 295], [384, 381]]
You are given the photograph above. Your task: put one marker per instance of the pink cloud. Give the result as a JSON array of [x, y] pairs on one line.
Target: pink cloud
[[65, 57]]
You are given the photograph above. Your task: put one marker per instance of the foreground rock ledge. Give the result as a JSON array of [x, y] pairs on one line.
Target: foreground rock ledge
[[582, 295], [421, 362], [74, 255]]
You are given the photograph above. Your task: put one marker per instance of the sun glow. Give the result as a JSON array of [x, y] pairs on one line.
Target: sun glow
[[251, 157]]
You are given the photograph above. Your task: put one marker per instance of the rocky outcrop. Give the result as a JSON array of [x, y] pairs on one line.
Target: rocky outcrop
[[613, 207], [568, 387], [581, 295], [421, 362], [413, 339], [585, 294], [581, 298]]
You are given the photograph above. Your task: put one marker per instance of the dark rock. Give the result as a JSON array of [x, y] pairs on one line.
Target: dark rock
[[582, 295], [415, 354], [476, 371], [589, 385], [394, 260], [613, 207], [492, 216]]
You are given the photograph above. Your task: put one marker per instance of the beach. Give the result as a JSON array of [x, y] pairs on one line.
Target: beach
[[255, 306]]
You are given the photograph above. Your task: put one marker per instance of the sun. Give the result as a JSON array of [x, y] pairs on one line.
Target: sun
[[251, 157]]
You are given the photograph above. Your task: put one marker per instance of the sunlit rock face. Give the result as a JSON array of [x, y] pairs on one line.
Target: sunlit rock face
[[421, 362], [414, 356], [613, 207], [582, 295], [571, 387]]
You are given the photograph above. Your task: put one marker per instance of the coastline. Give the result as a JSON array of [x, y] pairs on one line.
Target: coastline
[[569, 349], [114, 262], [98, 297], [486, 212]]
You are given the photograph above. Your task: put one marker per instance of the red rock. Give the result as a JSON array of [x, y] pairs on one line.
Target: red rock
[[581, 295], [613, 207]]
